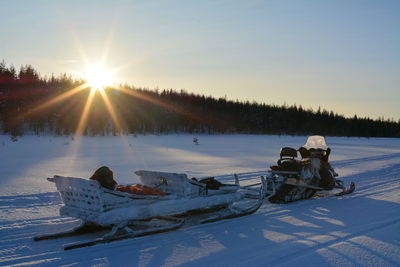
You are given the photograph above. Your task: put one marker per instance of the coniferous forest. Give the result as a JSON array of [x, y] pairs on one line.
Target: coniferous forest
[[159, 111]]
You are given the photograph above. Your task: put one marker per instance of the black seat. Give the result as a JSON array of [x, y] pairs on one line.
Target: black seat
[[287, 160], [288, 152]]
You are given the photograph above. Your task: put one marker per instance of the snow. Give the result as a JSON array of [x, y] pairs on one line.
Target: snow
[[361, 229]]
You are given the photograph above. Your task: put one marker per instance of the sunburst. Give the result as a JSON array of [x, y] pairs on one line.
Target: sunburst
[[98, 77]]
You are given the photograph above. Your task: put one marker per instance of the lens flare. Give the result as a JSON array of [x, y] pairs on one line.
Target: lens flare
[[98, 77]]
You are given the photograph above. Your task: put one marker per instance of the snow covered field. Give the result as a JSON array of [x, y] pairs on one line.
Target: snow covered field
[[361, 229]]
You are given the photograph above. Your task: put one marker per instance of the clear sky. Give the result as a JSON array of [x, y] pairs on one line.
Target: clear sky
[[342, 55]]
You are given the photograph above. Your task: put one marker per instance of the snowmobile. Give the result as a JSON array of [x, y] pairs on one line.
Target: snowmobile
[[295, 179], [127, 215]]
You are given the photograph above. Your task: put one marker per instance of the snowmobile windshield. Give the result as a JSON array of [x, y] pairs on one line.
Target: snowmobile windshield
[[315, 142]]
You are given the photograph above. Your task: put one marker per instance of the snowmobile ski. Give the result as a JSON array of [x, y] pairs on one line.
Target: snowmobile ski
[[348, 190]]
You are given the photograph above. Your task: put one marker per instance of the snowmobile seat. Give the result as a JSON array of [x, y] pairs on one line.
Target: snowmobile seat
[[290, 165], [288, 152], [287, 160]]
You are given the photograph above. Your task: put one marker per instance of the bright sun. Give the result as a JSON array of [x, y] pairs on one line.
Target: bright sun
[[98, 77]]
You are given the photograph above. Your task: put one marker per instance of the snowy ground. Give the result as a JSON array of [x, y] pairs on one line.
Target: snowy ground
[[361, 229]]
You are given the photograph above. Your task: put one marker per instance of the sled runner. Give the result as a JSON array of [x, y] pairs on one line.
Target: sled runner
[[127, 215]]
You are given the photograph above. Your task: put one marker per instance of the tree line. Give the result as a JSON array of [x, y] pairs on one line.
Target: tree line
[[27, 105]]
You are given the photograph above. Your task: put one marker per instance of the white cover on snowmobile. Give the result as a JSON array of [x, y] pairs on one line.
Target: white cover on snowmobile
[[316, 142]]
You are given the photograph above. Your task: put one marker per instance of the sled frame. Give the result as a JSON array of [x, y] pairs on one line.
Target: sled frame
[[77, 195]]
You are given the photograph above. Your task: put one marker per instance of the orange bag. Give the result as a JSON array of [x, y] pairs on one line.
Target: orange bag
[[139, 190]]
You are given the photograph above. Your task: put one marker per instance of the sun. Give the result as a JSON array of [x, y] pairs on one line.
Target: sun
[[98, 77]]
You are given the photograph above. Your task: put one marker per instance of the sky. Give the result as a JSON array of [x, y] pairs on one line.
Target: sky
[[341, 55]]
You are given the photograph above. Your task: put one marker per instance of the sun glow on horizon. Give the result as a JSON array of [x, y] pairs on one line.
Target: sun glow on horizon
[[98, 77]]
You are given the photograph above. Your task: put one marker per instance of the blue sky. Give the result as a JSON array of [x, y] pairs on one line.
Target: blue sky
[[342, 55]]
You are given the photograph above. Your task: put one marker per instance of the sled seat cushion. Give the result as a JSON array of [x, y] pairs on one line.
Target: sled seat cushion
[[139, 189], [171, 183]]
